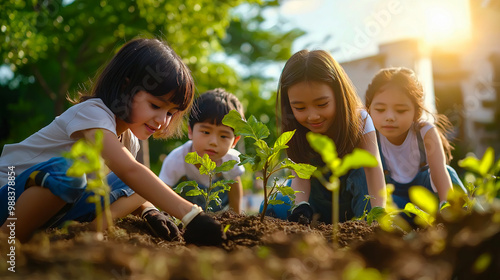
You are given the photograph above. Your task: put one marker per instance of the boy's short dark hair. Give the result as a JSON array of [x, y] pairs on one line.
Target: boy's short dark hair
[[212, 106]]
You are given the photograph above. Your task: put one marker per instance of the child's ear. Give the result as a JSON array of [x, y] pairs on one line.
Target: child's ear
[[236, 139], [190, 133]]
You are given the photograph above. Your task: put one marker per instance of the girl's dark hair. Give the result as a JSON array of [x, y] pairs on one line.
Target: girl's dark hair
[[212, 106], [145, 65], [406, 80], [319, 66]]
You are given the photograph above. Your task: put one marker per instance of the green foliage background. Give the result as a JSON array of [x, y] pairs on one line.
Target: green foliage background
[[55, 48]]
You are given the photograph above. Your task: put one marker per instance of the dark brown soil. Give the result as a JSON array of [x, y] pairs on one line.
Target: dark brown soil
[[275, 249]]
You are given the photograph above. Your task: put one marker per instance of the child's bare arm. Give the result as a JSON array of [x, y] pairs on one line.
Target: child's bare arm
[[374, 175], [302, 185], [437, 163], [236, 195], [138, 177]]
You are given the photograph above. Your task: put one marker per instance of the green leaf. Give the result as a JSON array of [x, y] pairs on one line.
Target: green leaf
[[487, 161], [215, 196], [286, 190], [358, 158], [273, 158], [276, 202], [244, 159], [259, 129], [252, 128], [226, 228], [262, 149], [193, 158], [233, 119], [195, 192], [180, 187], [225, 166], [426, 217], [324, 146], [224, 184], [424, 199], [471, 164], [207, 165], [375, 214], [283, 140], [303, 170]]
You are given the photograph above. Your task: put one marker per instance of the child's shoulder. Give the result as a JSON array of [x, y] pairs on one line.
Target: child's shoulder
[[90, 104], [423, 127], [232, 154]]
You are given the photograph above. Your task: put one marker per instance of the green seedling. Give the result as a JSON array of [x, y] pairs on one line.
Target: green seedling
[[424, 204], [481, 178], [267, 159], [87, 160], [365, 211], [208, 167], [338, 166], [389, 218]]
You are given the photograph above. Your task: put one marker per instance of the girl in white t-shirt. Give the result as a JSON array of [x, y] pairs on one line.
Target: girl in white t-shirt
[[315, 94], [144, 90], [413, 151]]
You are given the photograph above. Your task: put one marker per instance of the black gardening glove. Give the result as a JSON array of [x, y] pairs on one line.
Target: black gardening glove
[[203, 230], [301, 214], [161, 225]]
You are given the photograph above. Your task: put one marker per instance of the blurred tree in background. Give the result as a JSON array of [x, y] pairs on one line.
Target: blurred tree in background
[[55, 48]]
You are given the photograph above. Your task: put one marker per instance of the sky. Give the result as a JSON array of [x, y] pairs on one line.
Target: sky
[[353, 29]]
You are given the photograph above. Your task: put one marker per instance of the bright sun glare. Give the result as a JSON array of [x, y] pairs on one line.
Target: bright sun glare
[[447, 23]]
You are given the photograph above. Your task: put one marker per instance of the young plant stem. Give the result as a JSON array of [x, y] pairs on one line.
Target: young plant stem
[[335, 214], [107, 212], [98, 210], [333, 186], [209, 189], [265, 178]]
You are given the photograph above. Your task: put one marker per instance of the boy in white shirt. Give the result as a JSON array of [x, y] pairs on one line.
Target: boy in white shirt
[[209, 136]]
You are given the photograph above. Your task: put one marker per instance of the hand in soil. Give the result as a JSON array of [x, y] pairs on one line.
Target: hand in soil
[[302, 214], [161, 225], [203, 230]]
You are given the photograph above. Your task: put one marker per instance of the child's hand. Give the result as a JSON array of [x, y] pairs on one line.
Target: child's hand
[[203, 230], [161, 225], [301, 214]]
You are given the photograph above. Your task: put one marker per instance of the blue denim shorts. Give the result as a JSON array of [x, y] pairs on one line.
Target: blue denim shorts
[[69, 189]]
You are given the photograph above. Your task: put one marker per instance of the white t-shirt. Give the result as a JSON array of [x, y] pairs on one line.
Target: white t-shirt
[[174, 167], [54, 139], [369, 126], [403, 161]]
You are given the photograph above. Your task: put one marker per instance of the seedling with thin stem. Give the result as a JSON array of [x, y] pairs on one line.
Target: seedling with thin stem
[[482, 178], [267, 159], [208, 167], [325, 146], [87, 160]]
